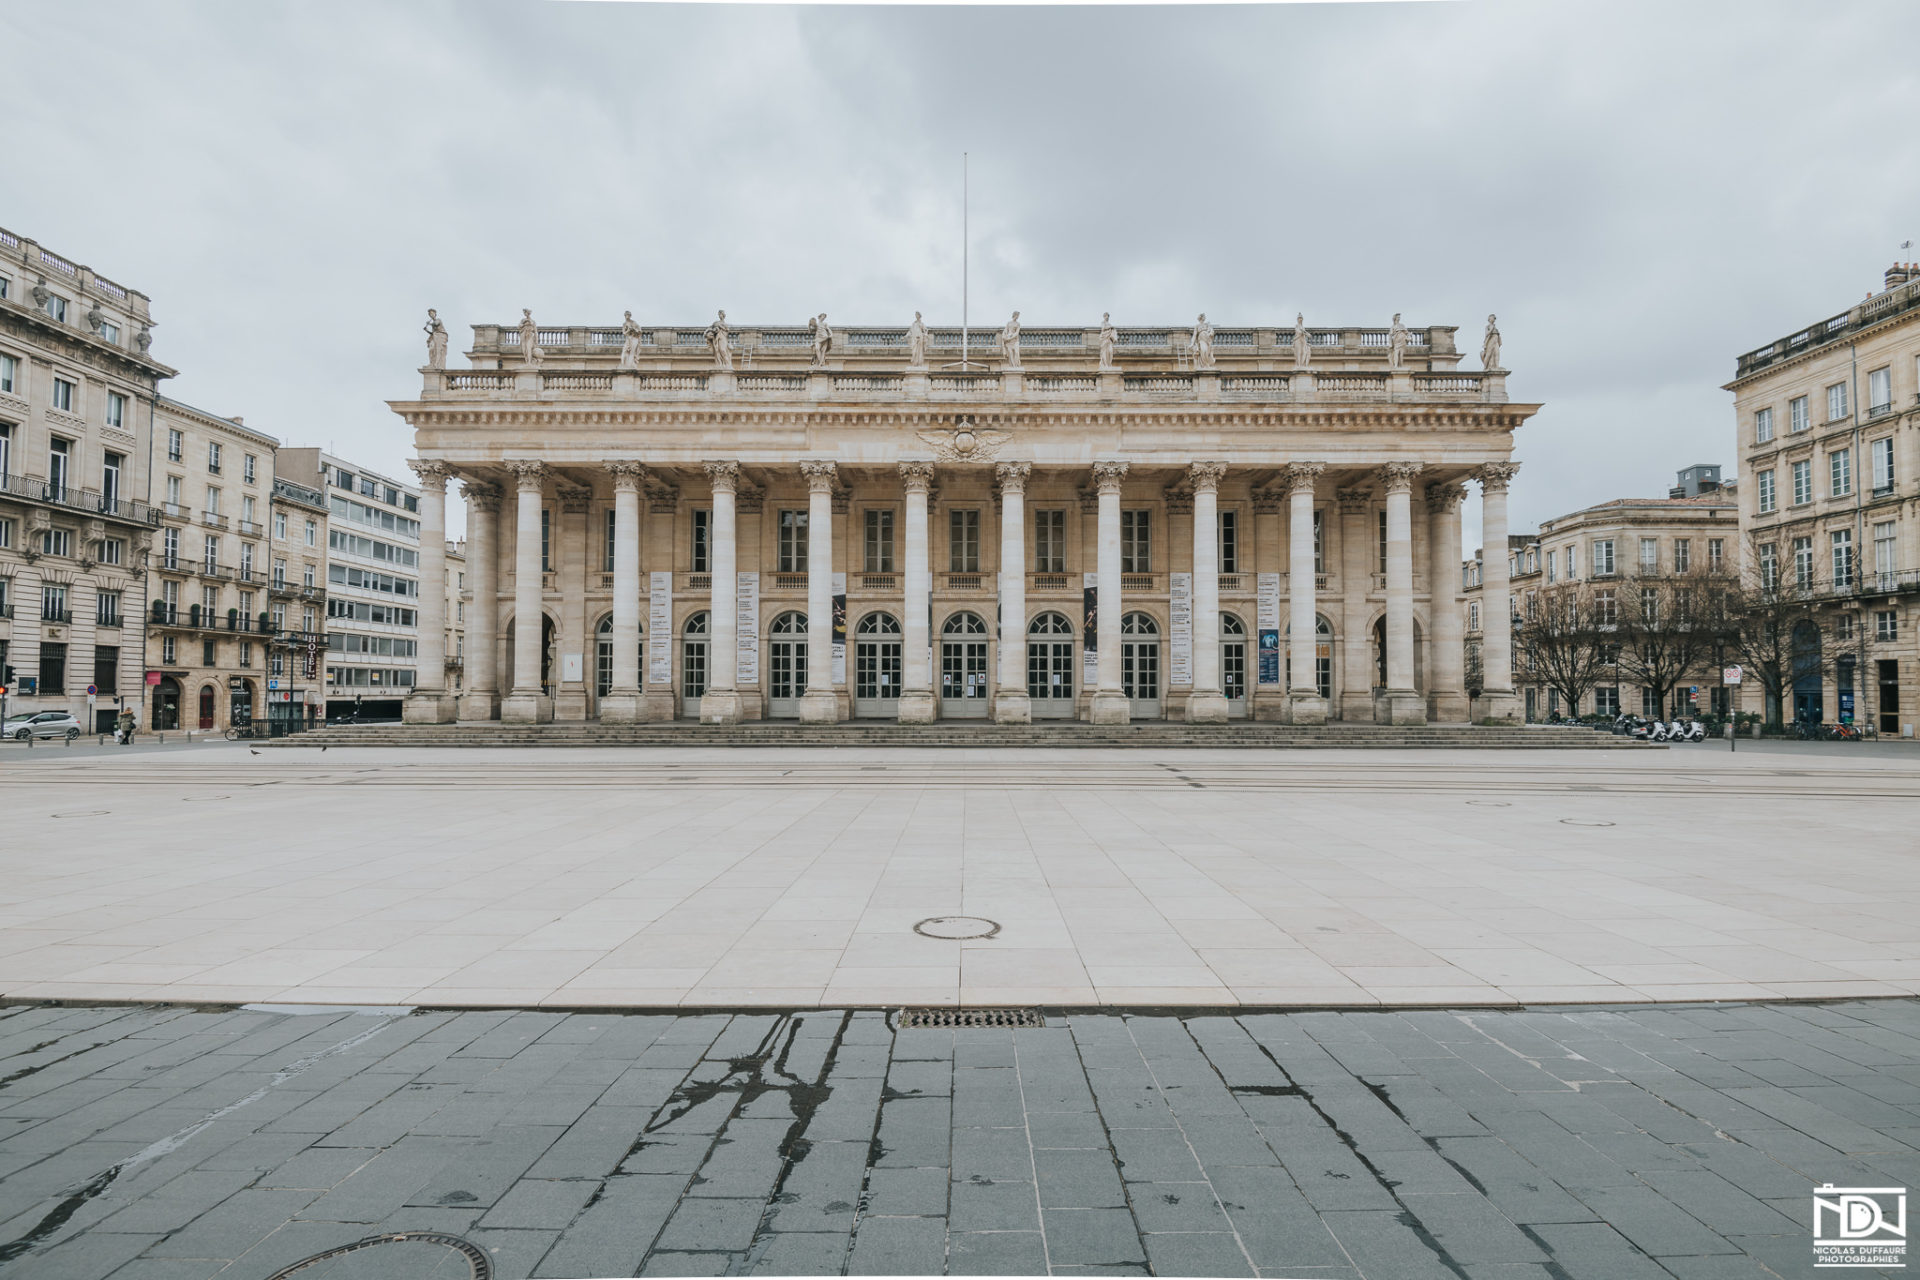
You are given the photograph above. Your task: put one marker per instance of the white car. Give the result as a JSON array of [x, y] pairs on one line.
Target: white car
[[42, 724]]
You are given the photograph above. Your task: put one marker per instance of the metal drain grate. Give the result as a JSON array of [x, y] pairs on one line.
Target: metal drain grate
[[971, 1018]]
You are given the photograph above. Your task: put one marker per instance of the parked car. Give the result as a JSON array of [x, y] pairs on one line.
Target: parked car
[[42, 724]]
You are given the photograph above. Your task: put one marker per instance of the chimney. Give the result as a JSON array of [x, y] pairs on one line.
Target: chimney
[[1899, 273]]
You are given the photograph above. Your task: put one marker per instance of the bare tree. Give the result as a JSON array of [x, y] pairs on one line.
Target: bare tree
[[1562, 641], [1669, 628], [1767, 616]]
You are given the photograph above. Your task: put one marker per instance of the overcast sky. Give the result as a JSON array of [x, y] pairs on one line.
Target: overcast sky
[[1641, 191]]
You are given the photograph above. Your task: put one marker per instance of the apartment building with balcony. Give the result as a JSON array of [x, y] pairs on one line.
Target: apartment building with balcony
[[296, 594], [209, 620], [77, 395], [371, 613], [1631, 554], [1828, 420]]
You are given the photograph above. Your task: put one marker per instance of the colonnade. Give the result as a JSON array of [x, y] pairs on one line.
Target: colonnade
[[524, 699]]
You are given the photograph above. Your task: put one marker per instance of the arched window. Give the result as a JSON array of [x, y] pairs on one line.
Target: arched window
[[878, 624], [603, 657], [789, 624], [1050, 624], [693, 657], [1232, 626], [1138, 624], [964, 624]]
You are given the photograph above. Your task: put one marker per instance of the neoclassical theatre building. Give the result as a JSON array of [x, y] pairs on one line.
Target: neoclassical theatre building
[[823, 523]]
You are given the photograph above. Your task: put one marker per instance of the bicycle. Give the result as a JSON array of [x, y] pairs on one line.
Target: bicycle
[[242, 731]]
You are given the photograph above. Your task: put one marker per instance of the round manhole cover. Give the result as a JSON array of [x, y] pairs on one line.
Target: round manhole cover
[[1493, 804], [405, 1255], [1585, 822], [190, 799], [956, 927], [85, 813]]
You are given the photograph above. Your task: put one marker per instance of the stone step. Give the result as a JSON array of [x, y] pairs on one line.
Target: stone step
[[882, 734]]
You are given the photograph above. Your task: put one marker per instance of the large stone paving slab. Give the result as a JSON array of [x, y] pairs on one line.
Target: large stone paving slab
[[1573, 1144], [694, 878]]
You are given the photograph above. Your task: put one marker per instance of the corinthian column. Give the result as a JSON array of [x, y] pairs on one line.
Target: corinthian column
[[1496, 634], [916, 660], [1011, 704], [482, 698], [1110, 704], [1402, 704], [819, 705], [527, 703], [1304, 703], [721, 702], [1446, 632], [429, 703], [1207, 704], [622, 705]]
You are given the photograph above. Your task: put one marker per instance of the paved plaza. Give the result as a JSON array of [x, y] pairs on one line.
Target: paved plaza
[[713, 878], [1563, 1144]]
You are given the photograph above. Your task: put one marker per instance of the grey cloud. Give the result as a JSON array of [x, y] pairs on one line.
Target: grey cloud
[[1640, 190]]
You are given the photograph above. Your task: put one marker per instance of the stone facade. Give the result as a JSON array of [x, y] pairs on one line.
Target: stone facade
[[77, 392], [213, 571], [724, 524], [1829, 429]]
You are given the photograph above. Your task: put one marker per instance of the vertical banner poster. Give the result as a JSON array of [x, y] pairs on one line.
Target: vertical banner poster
[[660, 629], [1090, 631], [746, 624], [839, 628], [1180, 619], [1267, 597]]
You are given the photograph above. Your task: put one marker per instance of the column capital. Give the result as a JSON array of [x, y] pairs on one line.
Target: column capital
[[725, 476], [1445, 497], [1303, 475], [433, 475], [1013, 476], [1397, 477], [481, 495], [574, 500], [820, 475], [1108, 476], [529, 474], [627, 474], [1496, 476], [1353, 502], [916, 476], [1205, 477]]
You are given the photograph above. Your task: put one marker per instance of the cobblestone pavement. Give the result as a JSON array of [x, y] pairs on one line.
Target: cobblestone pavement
[[155, 1143]]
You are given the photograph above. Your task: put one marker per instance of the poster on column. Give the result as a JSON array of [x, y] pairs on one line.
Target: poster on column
[[660, 629], [1267, 605], [1090, 630], [746, 623], [839, 628], [1180, 622]]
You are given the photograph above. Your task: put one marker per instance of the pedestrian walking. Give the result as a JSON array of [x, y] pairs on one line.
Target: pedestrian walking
[[123, 733]]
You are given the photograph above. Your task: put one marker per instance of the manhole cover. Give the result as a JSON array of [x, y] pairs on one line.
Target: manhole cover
[[956, 927], [85, 813], [971, 1018], [405, 1255], [1493, 804], [193, 798], [1585, 822]]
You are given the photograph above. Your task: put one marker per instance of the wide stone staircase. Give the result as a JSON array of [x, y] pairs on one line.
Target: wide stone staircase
[[883, 733]]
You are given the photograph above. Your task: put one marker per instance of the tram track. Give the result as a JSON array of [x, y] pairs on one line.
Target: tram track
[[1133, 773]]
